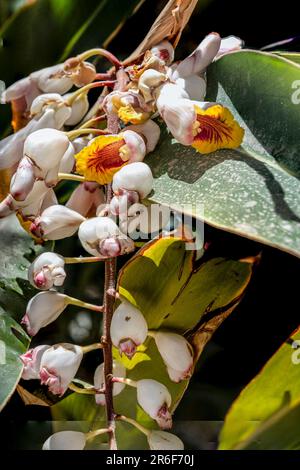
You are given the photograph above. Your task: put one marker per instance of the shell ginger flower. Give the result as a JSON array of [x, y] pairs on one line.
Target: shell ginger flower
[[106, 154]]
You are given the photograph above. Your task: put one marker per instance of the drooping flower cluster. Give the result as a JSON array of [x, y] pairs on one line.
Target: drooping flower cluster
[[107, 148]]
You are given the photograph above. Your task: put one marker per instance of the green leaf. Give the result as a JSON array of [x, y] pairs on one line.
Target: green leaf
[[174, 294], [292, 56], [11, 346], [253, 191], [17, 248], [266, 413]]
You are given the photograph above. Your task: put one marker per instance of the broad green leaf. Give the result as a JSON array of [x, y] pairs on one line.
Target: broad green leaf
[[16, 249], [253, 191], [268, 405], [11, 346], [173, 293], [292, 56]]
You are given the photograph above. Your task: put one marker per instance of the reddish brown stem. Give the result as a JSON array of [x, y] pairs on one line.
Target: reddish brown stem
[[109, 285]]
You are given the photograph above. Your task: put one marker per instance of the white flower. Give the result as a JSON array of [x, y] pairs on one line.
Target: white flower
[[176, 353], [194, 86], [43, 152], [155, 399], [56, 222], [31, 362], [79, 108], [177, 111], [52, 79], [160, 440], [65, 440], [134, 149], [150, 131], [46, 271], [67, 162], [118, 371], [100, 236], [230, 44], [86, 196], [42, 309], [128, 329], [199, 60], [59, 365], [51, 101], [134, 177], [164, 51]]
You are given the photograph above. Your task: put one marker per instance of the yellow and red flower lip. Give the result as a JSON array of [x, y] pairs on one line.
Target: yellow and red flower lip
[[106, 154]]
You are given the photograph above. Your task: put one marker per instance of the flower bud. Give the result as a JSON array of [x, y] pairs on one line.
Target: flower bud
[[81, 72], [79, 109], [99, 383], [23, 180], [128, 329], [164, 51], [176, 353], [56, 222], [46, 148], [43, 309], [100, 236], [32, 361], [86, 196], [54, 101], [160, 440], [199, 60], [155, 399], [46, 271], [59, 365], [65, 440], [134, 177], [150, 131], [148, 81], [119, 204], [52, 79]]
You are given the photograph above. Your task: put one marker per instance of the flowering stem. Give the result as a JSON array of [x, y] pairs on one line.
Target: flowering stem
[[83, 259], [69, 101], [90, 130], [71, 177], [122, 380], [109, 285], [98, 432], [93, 121], [83, 391], [80, 303], [103, 52], [91, 347], [134, 423]]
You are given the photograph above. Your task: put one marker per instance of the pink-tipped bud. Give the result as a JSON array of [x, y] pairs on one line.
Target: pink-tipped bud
[[65, 440], [136, 146], [23, 180], [56, 222], [128, 329], [46, 271], [42, 309], [99, 383], [176, 353], [31, 362], [59, 365], [155, 399], [134, 177], [161, 440], [100, 236]]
